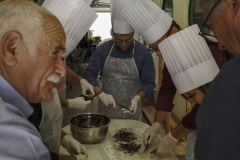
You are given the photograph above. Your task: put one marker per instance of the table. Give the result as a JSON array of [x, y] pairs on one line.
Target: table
[[106, 145]]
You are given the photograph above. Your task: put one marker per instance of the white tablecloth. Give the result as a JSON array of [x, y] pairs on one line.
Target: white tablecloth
[[104, 150]]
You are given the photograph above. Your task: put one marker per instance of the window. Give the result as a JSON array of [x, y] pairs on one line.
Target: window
[[102, 26], [168, 7], [195, 16]]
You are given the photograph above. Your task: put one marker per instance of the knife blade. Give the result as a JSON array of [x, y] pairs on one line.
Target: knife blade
[[96, 94], [125, 107], [147, 144], [90, 97], [154, 151]]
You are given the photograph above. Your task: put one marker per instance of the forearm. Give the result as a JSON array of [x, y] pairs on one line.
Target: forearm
[[63, 102], [97, 89], [147, 88], [180, 131], [72, 77], [142, 94], [160, 116]]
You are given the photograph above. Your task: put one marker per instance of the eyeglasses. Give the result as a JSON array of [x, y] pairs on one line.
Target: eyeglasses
[[209, 38], [123, 41], [215, 5]]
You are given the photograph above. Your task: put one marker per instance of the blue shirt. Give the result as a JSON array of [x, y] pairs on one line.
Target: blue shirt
[[142, 58], [19, 139]]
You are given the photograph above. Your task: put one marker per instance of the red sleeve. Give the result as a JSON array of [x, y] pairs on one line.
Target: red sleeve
[[166, 92], [188, 121]]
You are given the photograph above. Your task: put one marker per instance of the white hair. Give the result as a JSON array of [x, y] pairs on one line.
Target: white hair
[[14, 12]]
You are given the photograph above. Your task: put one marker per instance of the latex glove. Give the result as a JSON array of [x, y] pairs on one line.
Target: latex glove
[[86, 87], [81, 157], [134, 105], [166, 145], [151, 132], [107, 99], [74, 147], [78, 103]]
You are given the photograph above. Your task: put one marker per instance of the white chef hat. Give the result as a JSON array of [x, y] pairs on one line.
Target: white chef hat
[[76, 17], [119, 23], [147, 19], [88, 2], [188, 59]]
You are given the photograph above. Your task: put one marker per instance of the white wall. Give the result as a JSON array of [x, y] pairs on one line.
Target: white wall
[[180, 15]]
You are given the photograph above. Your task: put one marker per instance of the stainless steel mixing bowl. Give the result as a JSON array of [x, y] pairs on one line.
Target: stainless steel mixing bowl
[[89, 128]]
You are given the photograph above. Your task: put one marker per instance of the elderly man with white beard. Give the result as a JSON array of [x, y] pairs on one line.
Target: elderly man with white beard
[[32, 41], [47, 116]]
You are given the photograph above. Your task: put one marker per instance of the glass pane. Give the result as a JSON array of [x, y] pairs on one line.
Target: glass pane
[[195, 16], [168, 7]]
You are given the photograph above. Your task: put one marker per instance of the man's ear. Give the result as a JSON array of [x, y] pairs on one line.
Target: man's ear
[[9, 44], [236, 3]]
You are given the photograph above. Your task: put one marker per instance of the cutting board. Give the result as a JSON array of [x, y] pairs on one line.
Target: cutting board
[[140, 155]]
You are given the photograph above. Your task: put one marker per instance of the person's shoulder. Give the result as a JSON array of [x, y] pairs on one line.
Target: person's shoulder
[[8, 112], [140, 45], [105, 45], [232, 65], [104, 49], [229, 72], [141, 48]]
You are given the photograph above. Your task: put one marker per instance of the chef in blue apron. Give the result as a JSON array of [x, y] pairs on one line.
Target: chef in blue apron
[[50, 125], [126, 68]]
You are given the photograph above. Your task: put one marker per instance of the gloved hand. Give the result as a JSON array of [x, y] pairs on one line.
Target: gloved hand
[[134, 105], [86, 87], [78, 103], [166, 145], [107, 99], [151, 132], [81, 157], [74, 147]]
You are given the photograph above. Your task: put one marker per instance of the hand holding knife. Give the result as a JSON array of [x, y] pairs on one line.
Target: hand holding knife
[[125, 107], [147, 144], [90, 97]]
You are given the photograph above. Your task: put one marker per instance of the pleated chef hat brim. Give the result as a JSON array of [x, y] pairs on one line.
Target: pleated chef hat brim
[[188, 59], [76, 17], [120, 24], [150, 21]]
